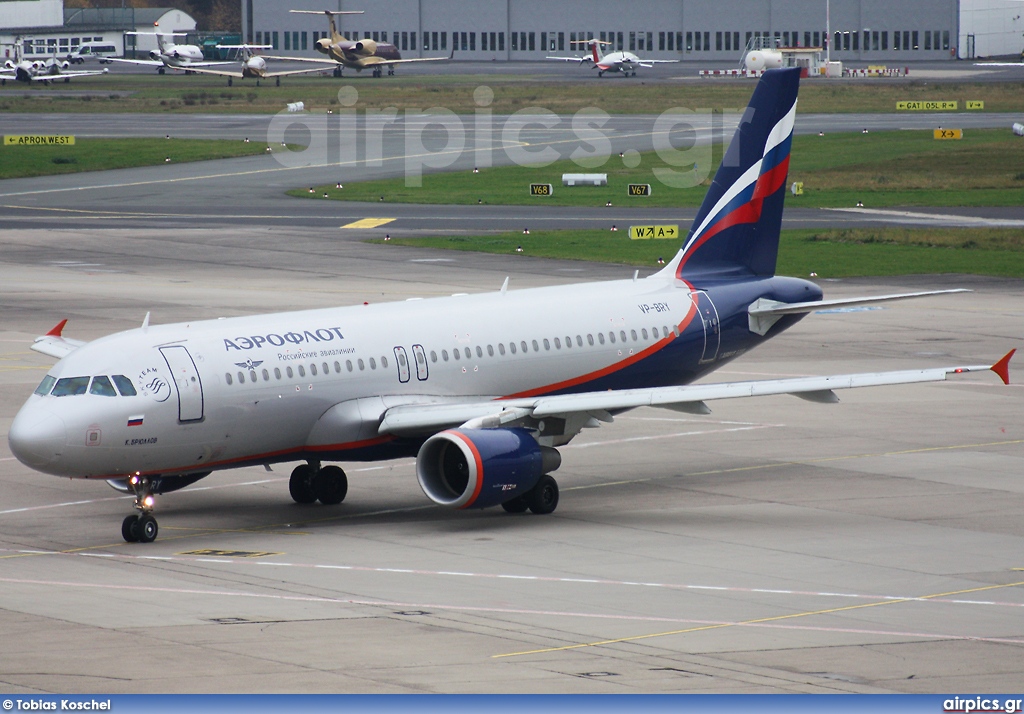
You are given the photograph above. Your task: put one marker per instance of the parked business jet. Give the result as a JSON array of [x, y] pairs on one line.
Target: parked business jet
[[40, 70], [625, 62], [481, 389], [168, 54], [356, 54], [253, 66]]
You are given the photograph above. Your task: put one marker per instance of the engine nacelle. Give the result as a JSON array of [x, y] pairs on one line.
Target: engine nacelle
[[477, 468], [362, 47], [154, 55]]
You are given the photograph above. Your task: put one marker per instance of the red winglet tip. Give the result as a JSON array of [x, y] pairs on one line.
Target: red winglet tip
[[55, 332], [1002, 367]]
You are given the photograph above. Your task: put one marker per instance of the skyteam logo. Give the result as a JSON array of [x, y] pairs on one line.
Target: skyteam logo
[[153, 385]]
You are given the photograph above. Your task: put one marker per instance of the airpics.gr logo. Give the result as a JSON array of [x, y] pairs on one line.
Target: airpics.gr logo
[[963, 705], [153, 385]]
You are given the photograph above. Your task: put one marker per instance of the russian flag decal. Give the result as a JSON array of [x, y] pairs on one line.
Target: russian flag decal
[[135, 420]]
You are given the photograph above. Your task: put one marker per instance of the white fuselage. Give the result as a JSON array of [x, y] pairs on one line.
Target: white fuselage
[[272, 387], [178, 55], [618, 62]]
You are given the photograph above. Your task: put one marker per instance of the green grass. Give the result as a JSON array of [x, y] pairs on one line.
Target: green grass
[[576, 89], [899, 168], [103, 154], [825, 253]]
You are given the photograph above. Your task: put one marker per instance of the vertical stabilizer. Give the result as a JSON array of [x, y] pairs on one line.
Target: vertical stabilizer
[[335, 35], [736, 231]]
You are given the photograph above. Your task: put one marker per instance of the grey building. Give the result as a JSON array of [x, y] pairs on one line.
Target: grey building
[[696, 30]]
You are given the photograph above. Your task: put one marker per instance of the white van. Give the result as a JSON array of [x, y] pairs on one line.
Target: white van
[[84, 52]]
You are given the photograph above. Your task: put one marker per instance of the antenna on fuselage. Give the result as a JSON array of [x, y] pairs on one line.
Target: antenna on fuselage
[[504, 286], [145, 323]]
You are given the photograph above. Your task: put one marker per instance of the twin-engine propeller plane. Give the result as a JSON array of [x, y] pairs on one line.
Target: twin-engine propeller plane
[[253, 66], [481, 389], [356, 54], [625, 62]]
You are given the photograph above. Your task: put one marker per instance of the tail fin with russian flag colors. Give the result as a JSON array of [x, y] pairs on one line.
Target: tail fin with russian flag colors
[[736, 231]]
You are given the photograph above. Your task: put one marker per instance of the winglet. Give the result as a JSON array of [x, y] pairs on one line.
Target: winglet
[[55, 332], [1002, 367]]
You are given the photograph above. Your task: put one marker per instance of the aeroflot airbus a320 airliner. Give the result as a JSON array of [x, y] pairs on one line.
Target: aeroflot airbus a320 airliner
[[482, 389]]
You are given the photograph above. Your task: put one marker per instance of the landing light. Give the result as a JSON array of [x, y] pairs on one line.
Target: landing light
[[148, 501]]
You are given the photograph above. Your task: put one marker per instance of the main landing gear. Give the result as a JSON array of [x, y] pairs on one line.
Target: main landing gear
[[541, 499], [140, 528], [311, 482]]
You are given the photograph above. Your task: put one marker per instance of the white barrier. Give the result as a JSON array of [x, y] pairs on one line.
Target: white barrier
[[297, 107], [1018, 129]]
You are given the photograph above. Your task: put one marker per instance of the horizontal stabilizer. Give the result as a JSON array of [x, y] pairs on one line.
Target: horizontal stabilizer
[[762, 314]]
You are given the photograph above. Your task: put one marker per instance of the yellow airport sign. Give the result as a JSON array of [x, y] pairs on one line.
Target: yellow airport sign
[[653, 232], [948, 133], [541, 189], [639, 189], [975, 105], [927, 106], [37, 140]]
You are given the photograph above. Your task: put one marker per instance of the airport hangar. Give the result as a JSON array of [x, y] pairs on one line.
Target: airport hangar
[[502, 30]]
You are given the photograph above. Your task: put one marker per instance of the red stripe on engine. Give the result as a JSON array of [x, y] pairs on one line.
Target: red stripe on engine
[[479, 466]]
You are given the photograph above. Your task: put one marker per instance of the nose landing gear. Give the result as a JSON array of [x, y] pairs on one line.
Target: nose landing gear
[[141, 527]]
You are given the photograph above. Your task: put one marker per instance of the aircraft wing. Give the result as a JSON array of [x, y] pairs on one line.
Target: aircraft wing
[[54, 344], [296, 71], [646, 62], [67, 73], [190, 65], [218, 72], [581, 60], [147, 63], [415, 419], [284, 58]]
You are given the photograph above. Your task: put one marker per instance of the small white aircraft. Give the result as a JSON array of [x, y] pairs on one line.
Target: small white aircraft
[[625, 62], [42, 70], [253, 66], [168, 54], [481, 389]]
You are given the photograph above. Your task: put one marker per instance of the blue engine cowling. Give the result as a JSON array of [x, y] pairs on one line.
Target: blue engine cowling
[[478, 468]]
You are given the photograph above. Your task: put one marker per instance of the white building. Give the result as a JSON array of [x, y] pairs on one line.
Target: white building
[[991, 28], [44, 28]]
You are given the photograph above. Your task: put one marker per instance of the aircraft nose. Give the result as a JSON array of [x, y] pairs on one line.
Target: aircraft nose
[[37, 438]]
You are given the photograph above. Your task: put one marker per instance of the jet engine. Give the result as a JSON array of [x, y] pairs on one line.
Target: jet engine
[[477, 468], [154, 55], [362, 47]]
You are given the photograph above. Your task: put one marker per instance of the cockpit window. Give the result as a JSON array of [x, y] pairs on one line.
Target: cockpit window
[[70, 386], [124, 385], [46, 385], [102, 387]]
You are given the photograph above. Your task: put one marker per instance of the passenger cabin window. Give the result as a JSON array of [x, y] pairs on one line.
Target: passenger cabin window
[[46, 385], [227, 378], [70, 386], [124, 385], [277, 373], [102, 387], [501, 349]]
